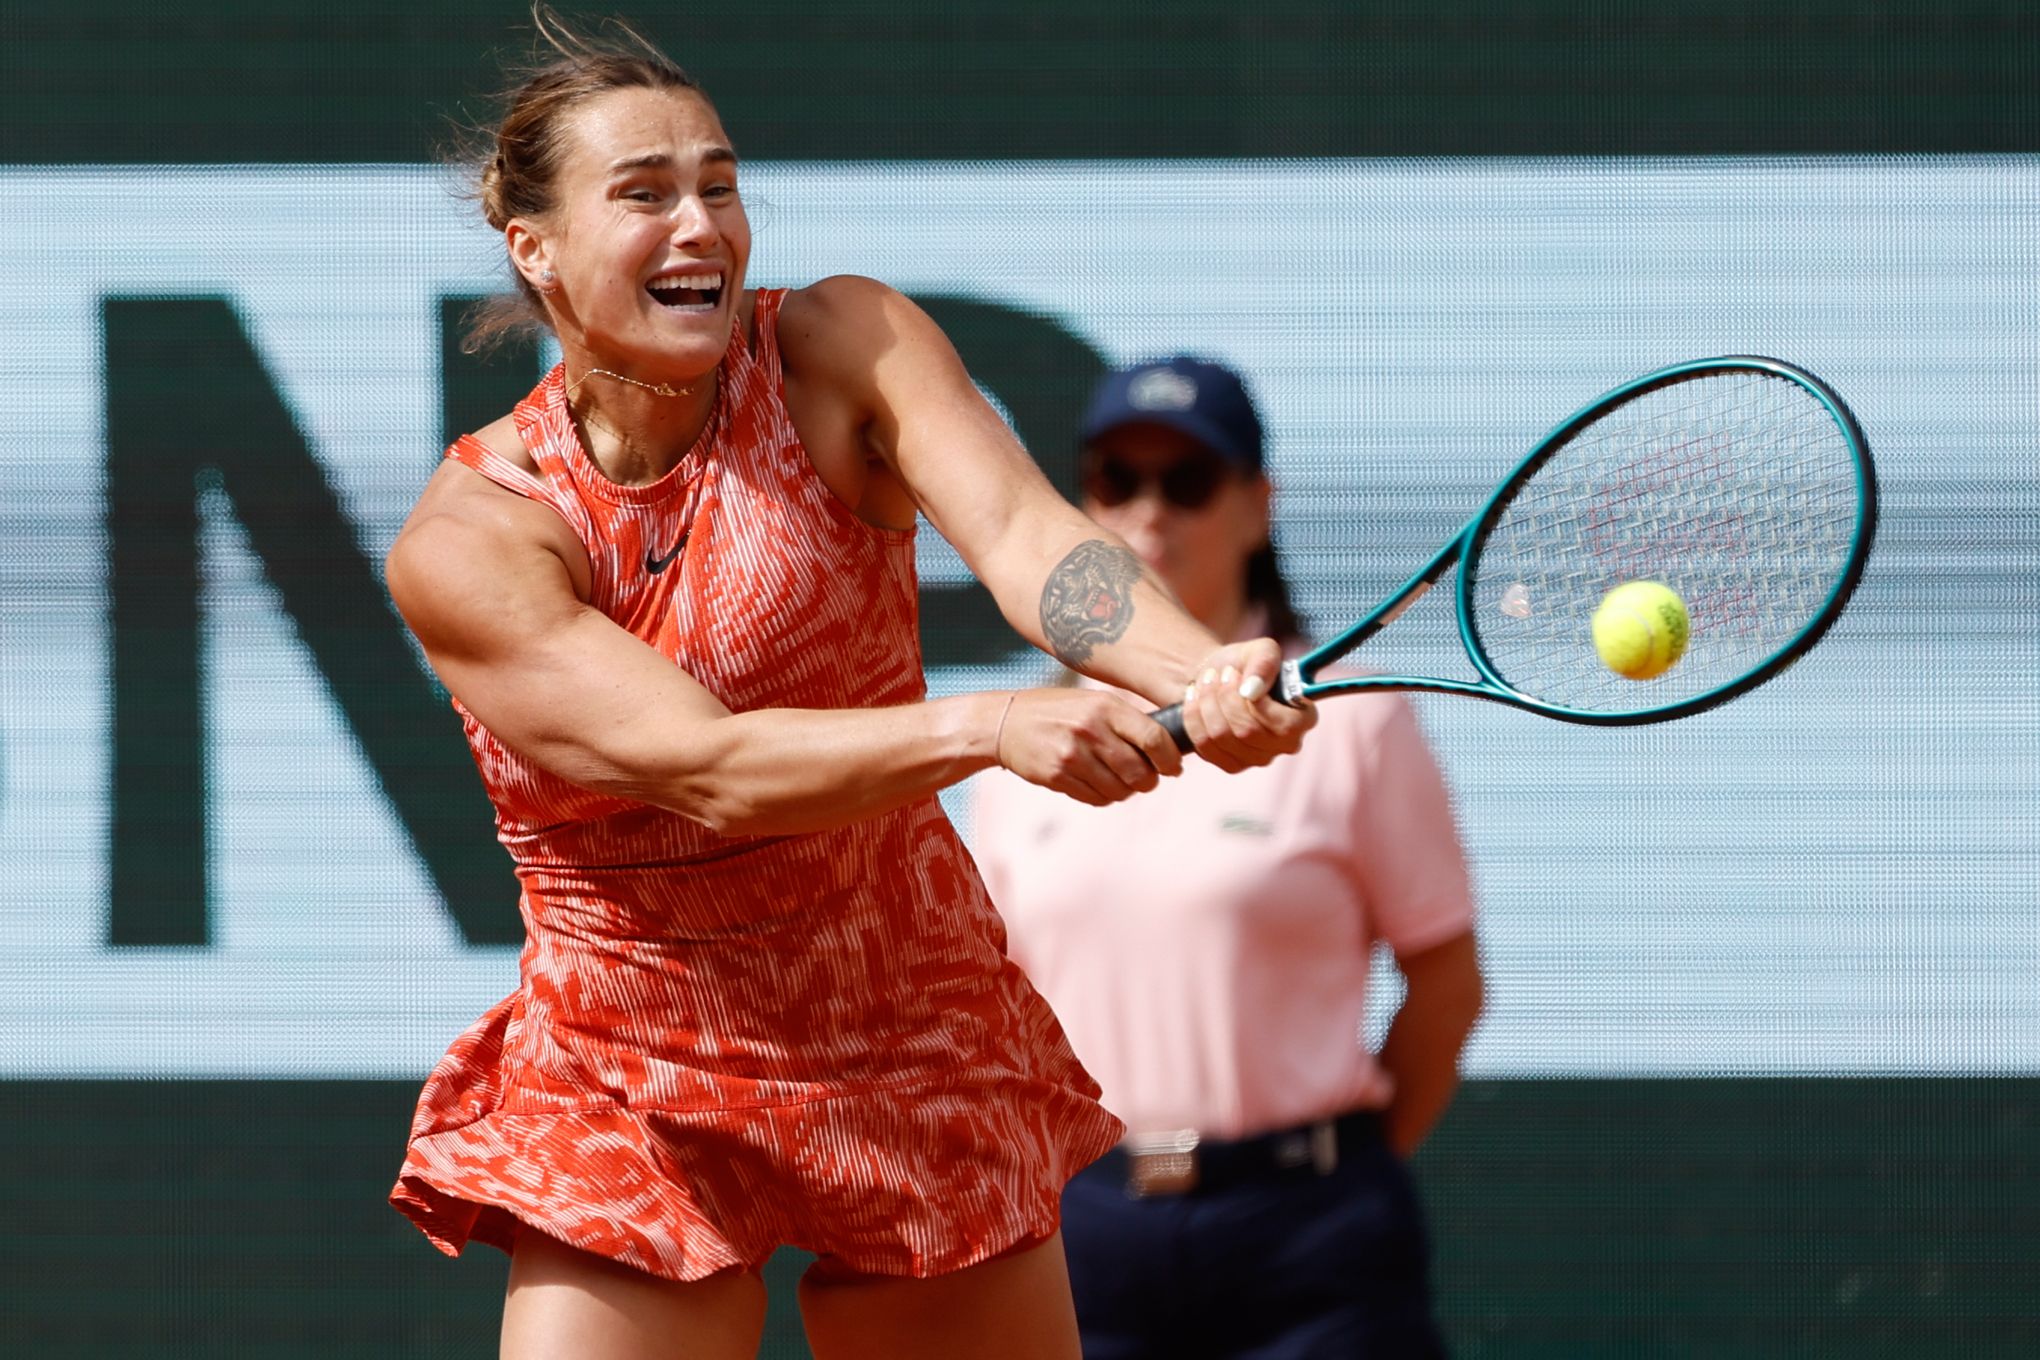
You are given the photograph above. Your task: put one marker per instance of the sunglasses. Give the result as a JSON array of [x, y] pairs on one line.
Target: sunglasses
[[1187, 483]]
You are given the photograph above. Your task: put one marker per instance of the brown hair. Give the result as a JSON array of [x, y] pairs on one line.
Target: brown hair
[[1269, 588], [518, 160]]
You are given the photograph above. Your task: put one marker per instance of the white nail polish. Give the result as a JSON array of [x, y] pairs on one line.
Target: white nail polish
[[1252, 687]]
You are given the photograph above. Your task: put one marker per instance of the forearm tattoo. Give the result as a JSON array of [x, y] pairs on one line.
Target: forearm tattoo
[[1088, 600]]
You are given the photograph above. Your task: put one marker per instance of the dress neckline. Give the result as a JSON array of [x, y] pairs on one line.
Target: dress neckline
[[544, 419]]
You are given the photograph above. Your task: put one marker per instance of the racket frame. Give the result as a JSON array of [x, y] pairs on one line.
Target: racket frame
[[1298, 679]]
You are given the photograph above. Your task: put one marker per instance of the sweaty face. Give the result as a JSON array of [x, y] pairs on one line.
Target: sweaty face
[[1136, 479], [649, 239]]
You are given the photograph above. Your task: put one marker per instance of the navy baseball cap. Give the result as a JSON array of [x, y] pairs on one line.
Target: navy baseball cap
[[1203, 400]]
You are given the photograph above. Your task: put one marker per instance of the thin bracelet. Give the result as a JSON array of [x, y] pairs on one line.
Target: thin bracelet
[[999, 736]]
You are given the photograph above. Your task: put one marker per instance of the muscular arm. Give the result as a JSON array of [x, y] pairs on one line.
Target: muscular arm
[[484, 580], [1440, 1004], [905, 400]]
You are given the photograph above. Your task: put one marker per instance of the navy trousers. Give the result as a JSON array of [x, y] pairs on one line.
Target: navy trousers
[[1288, 1265]]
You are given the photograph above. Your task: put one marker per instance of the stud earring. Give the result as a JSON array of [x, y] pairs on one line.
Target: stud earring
[[546, 281]]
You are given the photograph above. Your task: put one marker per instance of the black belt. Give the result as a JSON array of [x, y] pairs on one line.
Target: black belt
[[1149, 1165]]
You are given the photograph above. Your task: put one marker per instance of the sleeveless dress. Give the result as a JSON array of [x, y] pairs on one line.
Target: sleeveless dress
[[721, 1045]]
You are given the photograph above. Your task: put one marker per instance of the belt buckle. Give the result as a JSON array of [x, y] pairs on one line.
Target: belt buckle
[[1324, 1146], [1161, 1163], [1315, 1146]]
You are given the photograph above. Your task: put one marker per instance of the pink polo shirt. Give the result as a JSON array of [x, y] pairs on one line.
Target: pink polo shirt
[[1207, 946]]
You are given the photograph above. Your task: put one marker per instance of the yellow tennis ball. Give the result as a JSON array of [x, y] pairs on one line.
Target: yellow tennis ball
[[1640, 630]]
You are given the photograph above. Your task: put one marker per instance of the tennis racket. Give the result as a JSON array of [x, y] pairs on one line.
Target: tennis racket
[[1743, 483]]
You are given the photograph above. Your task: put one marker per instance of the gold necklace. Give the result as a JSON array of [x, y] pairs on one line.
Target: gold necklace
[[662, 389]]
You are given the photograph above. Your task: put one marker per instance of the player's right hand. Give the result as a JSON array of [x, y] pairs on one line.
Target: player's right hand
[[1090, 745], [1232, 731]]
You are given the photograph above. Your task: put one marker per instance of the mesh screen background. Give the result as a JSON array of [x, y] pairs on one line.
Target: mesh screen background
[[1757, 1071]]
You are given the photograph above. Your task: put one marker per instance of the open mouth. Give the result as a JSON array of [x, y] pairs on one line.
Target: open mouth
[[688, 292]]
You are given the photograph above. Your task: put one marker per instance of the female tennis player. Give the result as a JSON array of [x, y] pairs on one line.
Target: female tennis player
[[1208, 950], [763, 998]]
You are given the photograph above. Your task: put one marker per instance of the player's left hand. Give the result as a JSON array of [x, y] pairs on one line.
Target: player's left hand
[[1235, 730]]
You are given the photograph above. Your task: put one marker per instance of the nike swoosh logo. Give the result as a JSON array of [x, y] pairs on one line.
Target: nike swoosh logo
[[655, 565]]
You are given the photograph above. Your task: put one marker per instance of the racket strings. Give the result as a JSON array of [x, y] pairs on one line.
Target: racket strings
[[1737, 489]]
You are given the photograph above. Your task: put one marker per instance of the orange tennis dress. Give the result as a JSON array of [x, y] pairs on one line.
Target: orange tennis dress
[[720, 1045]]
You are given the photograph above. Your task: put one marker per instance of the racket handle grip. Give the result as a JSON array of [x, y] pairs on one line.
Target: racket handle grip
[[1288, 689], [1171, 719]]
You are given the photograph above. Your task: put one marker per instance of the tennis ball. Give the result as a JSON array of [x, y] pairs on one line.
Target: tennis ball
[[1640, 630]]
